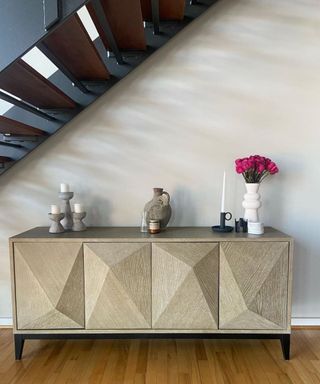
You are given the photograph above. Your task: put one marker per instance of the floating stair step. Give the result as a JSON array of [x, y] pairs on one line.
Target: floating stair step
[[126, 23], [4, 160], [168, 9], [72, 46], [13, 127], [24, 82]]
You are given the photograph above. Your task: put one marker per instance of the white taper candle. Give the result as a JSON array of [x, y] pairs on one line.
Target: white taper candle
[[55, 209], [64, 187], [223, 192], [78, 208]]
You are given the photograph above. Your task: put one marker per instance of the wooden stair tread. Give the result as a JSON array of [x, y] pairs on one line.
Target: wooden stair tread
[[125, 19], [17, 128], [168, 9], [26, 83], [72, 45], [5, 159]]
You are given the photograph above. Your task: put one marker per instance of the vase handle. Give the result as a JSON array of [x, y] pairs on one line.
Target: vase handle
[[167, 198]]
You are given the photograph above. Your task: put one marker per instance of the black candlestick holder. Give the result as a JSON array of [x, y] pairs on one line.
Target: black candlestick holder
[[241, 225], [224, 216]]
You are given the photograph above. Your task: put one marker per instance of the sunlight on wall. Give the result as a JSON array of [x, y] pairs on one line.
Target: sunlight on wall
[[88, 23], [36, 59]]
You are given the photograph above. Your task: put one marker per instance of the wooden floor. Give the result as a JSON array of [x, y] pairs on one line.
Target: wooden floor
[[162, 361]]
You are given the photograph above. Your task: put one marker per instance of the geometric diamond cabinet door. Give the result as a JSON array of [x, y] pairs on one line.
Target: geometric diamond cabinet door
[[117, 285], [185, 285], [253, 285], [49, 285]]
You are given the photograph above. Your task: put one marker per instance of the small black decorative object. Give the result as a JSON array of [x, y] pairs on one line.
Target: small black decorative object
[[224, 216], [241, 225]]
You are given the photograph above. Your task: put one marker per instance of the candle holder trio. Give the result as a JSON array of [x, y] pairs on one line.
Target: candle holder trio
[[67, 220]]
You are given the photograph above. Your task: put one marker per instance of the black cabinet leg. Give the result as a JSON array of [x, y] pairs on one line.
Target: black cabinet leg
[[285, 344], [18, 346]]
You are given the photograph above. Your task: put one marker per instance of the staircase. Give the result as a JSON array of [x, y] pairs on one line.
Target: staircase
[[129, 31]]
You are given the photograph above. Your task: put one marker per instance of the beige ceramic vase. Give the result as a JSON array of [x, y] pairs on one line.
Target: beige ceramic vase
[[159, 207]]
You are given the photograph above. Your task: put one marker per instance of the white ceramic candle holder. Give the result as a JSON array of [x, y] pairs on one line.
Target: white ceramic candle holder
[[67, 222], [56, 226], [78, 224]]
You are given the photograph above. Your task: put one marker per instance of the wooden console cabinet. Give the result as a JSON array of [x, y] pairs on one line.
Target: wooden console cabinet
[[181, 283]]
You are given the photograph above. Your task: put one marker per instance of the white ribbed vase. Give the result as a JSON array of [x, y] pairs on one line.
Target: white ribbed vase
[[251, 202]]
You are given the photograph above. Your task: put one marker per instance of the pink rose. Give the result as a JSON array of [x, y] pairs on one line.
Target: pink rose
[[247, 163], [251, 163], [272, 168], [239, 169]]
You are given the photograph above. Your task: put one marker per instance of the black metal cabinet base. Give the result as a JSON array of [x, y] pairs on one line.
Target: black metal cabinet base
[[20, 338], [285, 344]]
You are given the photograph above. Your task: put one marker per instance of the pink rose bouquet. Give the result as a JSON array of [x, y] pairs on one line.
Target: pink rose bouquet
[[256, 168]]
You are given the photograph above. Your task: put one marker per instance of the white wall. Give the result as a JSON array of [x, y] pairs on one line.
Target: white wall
[[243, 79]]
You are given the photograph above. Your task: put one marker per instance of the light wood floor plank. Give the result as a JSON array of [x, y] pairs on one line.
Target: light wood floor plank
[[161, 361]]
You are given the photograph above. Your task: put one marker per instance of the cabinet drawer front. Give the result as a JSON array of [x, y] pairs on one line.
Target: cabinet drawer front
[[253, 290], [117, 285], [49, 285], [185, 285]]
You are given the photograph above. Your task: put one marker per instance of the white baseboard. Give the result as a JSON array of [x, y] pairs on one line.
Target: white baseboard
[[6, 322], [297, 321], [305, 321]]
